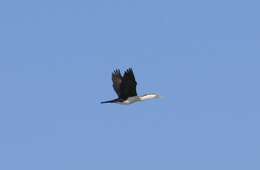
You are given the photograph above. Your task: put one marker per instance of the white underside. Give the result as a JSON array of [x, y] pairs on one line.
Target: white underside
[[134, 99]]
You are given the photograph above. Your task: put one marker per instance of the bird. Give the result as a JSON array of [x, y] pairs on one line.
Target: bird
[[125, 88]]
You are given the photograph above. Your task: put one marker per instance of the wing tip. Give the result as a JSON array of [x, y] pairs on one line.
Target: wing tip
[[129, 70], [116, 72]]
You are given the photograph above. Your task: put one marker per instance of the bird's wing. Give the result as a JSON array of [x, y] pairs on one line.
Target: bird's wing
[[128, 85], [117, 80]]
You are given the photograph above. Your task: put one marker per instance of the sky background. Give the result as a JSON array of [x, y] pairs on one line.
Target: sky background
[[56, 60]]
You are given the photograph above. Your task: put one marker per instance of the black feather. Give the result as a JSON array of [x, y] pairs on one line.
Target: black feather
[[124, 86]]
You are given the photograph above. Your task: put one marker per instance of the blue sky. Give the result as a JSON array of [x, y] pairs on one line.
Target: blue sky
[[56, 60]]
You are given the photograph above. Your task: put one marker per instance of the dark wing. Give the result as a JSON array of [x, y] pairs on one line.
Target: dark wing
[[117, 80], [128, 85]]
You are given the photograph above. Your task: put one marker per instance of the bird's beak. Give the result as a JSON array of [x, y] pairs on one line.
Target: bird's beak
[[159, 97]]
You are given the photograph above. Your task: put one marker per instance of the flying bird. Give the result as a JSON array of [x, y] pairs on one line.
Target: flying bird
[[125, 88]]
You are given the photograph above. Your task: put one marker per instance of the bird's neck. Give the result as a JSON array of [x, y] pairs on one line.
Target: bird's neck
[[149, 97]]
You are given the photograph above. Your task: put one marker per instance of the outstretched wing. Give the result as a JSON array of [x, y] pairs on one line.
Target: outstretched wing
[[117, 80], [128, 85]]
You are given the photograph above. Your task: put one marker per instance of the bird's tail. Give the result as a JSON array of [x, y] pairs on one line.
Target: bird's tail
[[109, 101]]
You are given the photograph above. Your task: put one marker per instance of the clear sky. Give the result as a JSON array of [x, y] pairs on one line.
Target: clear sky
[[56, 59]]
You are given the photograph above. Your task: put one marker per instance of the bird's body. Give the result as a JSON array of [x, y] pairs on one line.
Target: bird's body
[[125, 87]]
